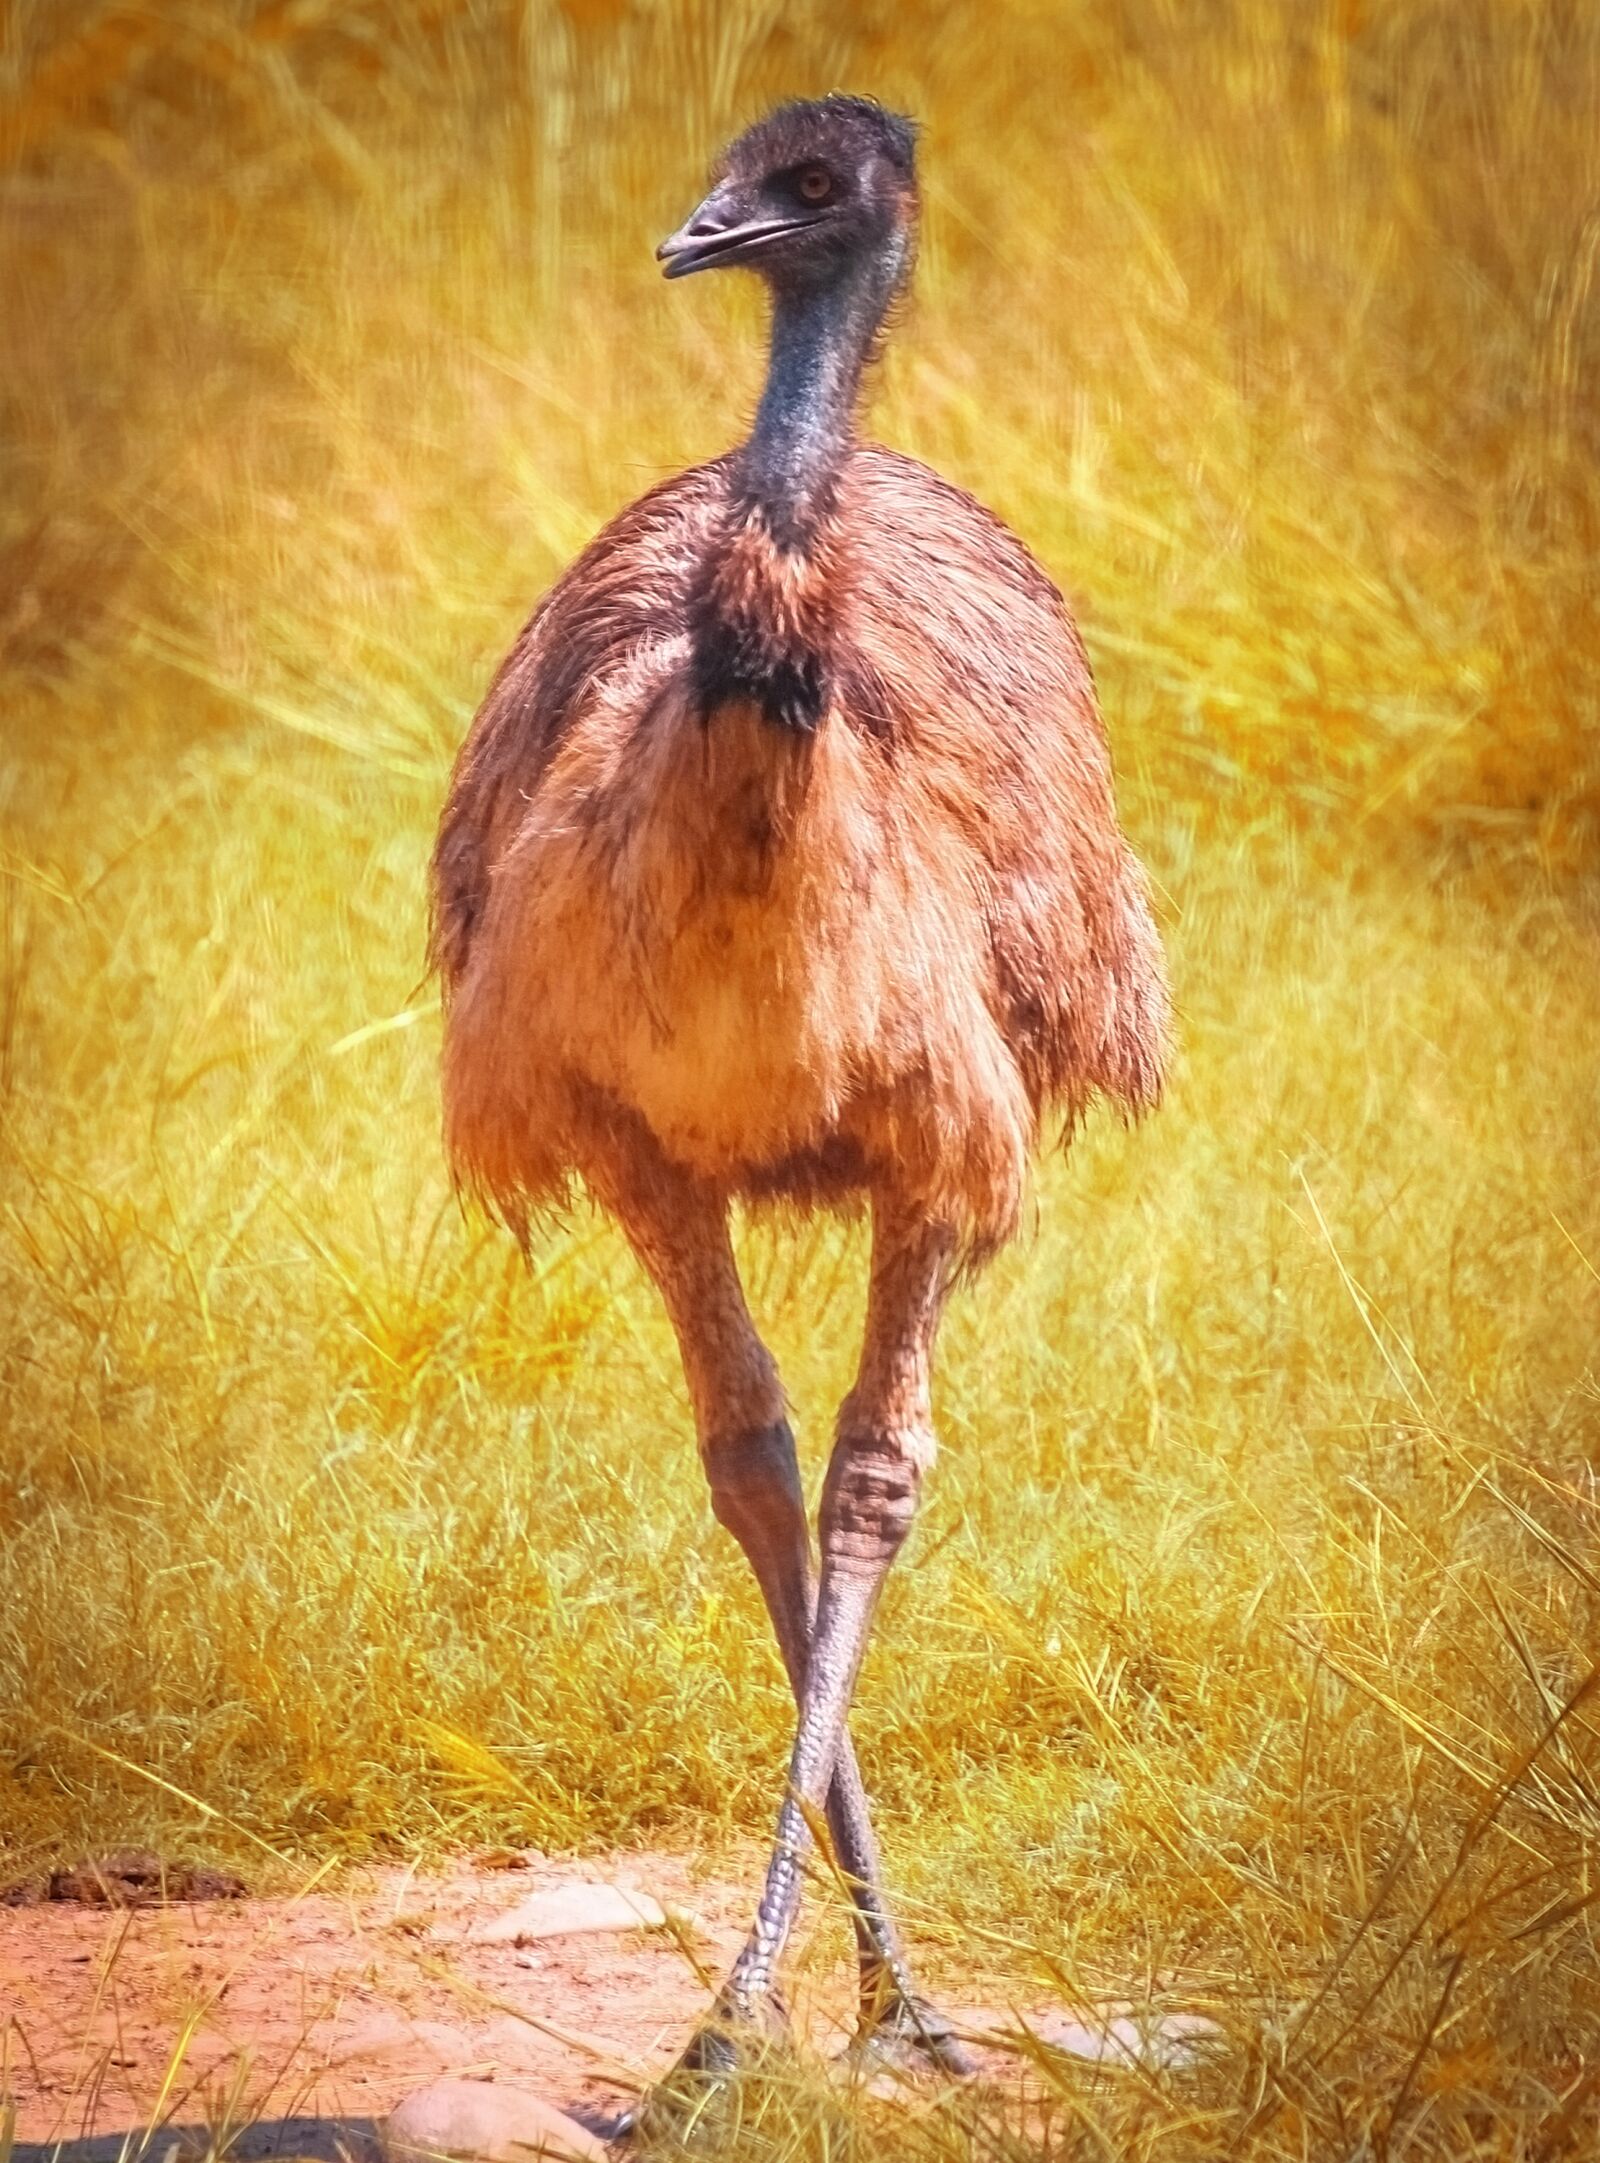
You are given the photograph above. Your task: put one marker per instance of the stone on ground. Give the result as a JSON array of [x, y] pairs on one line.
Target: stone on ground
[[485, 2123], [124, 1878], [569, 1911], [1167, 2041]]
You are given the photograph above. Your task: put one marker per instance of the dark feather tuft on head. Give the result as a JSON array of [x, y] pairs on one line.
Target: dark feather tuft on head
[[852, 127]]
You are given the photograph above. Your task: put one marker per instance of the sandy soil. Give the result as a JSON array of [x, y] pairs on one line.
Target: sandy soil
[[311, 2017]]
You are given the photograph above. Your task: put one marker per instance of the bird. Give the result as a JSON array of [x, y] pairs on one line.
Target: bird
[[781, 866]]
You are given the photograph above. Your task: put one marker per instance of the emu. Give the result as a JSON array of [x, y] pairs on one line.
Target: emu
[[781, 865]]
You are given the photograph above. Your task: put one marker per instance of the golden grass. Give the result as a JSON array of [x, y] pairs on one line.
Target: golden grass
[[1245, 1648]]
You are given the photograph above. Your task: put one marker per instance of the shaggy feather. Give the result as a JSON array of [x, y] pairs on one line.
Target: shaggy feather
[[877, 955]]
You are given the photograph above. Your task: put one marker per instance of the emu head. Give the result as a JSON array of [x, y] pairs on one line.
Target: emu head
[[806, 197]]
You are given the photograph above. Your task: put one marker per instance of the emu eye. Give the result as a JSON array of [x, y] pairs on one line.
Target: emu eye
[[815, 184]]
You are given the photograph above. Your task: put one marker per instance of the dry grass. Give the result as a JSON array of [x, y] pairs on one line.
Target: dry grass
[[1245, 1649]]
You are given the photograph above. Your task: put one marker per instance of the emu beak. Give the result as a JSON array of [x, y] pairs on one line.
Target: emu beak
[[721, 231]]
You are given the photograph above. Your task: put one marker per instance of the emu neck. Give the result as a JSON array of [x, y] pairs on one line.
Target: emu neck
[[760, 622], [805, 424]]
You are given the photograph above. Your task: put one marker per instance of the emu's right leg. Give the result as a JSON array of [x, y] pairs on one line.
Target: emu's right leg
[[680, 1233], [756, 1494]]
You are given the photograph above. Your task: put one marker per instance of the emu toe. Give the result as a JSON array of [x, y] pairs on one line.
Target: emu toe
[[909, 2039], [739, 2036]]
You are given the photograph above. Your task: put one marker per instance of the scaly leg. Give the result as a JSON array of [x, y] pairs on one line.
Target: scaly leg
[[885, 1438], [755, 1487], [680, 1233]]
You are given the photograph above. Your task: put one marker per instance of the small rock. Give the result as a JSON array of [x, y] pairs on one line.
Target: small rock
[[486, 2123], [452, 2048], [127, 1878], [1166, 2041], [372, 2036], [568, 1911], [385, 2034], [512, 2045], [210, 1885]]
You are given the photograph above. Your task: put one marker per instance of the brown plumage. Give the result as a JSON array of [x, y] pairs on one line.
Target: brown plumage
[[810, 963], [781, 862]]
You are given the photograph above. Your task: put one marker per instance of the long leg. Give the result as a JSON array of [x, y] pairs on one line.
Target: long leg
[[680, 1233], [747, 1480], [883, 1443]]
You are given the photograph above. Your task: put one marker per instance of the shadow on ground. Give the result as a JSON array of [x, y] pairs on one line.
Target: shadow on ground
[[306, 2139], [327, 2140]]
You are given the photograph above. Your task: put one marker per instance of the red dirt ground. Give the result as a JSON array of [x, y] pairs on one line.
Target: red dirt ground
[[306, 2016]]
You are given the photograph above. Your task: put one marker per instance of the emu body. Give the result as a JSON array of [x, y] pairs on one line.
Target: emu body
[[782, 862], [809, 961]]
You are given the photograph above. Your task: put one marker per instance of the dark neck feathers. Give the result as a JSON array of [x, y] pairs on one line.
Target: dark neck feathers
[[822, 336], [761, 628]]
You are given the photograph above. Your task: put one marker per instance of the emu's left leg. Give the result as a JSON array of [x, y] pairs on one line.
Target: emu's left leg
[[884, 1442]]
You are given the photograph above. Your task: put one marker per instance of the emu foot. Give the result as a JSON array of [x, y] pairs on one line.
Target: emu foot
[[740, 2034], [907, 2038]]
